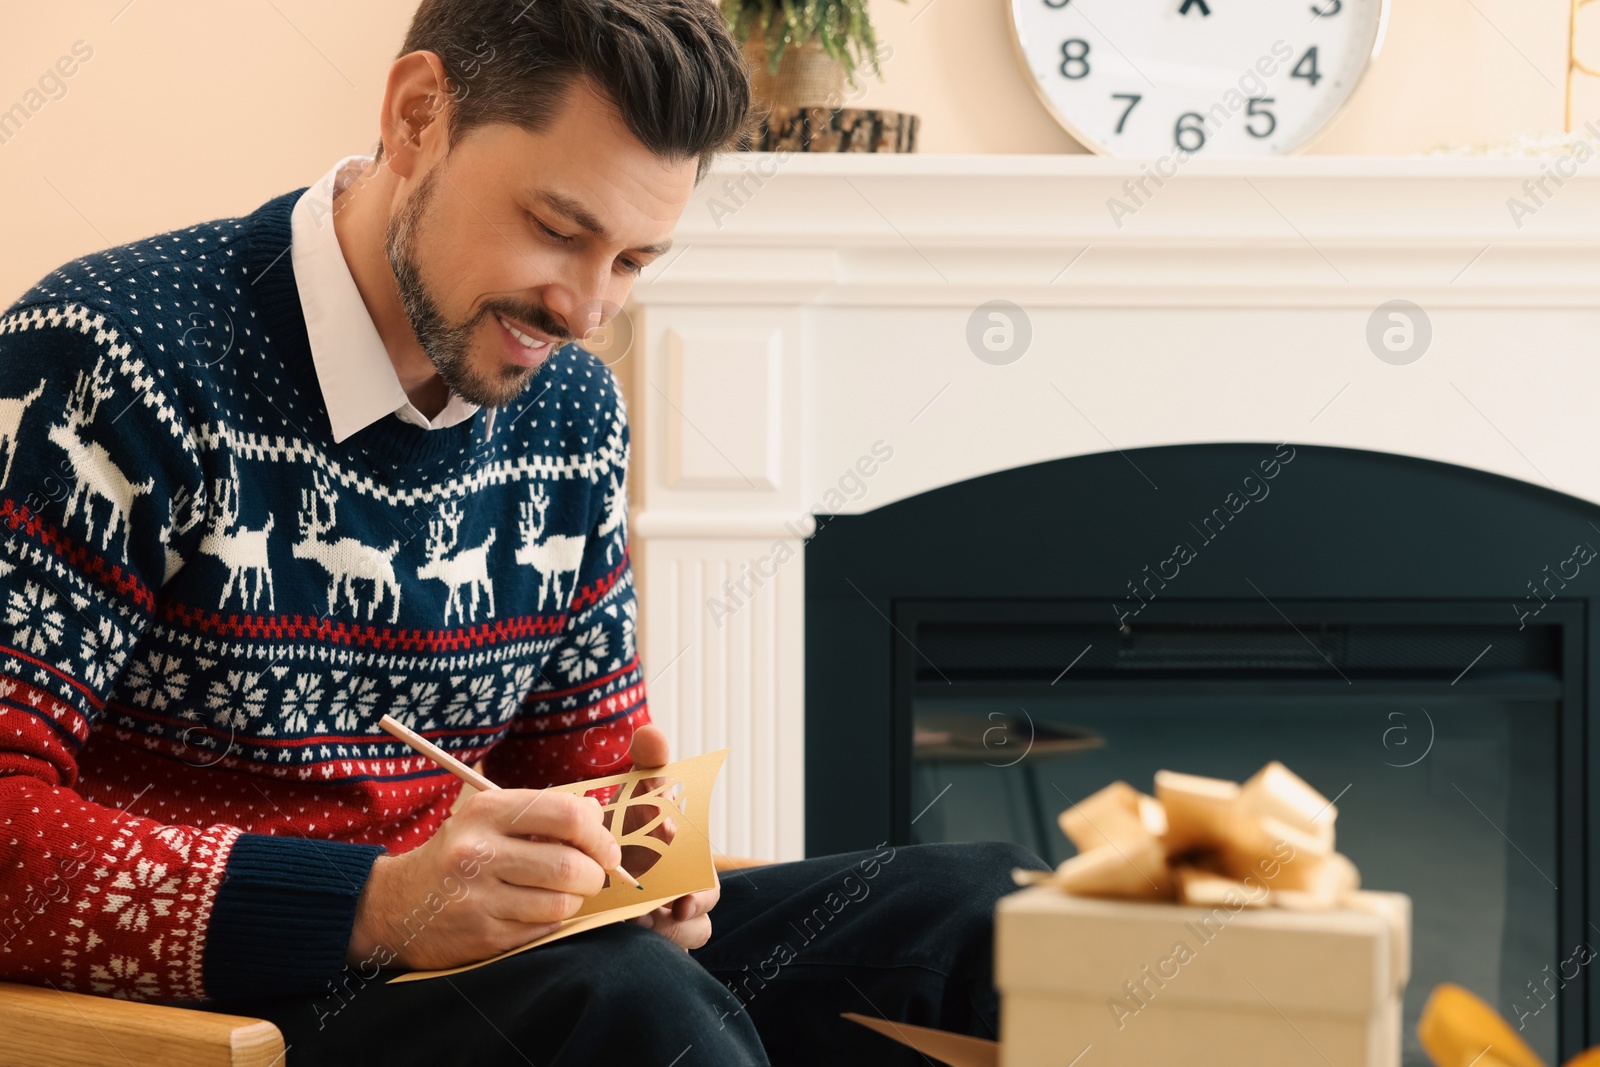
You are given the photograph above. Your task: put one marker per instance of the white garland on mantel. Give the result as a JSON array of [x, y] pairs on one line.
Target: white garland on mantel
[[1554, 145]]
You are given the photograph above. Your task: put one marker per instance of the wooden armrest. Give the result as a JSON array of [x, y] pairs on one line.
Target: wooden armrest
[[733, 863], [46, 1027]]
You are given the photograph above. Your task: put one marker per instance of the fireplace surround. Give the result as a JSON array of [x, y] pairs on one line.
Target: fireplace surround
[[805, 359], [770, 352]]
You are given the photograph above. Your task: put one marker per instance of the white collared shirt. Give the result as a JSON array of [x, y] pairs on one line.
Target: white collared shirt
[[358, 380]]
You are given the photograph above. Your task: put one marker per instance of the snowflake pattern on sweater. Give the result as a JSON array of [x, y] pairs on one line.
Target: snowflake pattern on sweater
[[206, 604]]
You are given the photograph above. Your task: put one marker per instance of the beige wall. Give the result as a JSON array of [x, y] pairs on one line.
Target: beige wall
[[189, 110], [194, 109]]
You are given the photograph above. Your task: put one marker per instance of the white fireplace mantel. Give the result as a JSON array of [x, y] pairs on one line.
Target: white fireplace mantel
[[813, 317]]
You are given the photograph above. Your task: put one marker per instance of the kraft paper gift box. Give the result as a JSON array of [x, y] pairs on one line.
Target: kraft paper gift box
[[1261, 987], [1213, 923], [1143, 983]]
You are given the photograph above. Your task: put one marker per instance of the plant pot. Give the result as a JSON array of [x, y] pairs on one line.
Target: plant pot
[[804, 110], [807, 75], [826, 129]]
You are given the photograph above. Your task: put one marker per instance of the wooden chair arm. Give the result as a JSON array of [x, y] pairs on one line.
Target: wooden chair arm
[[733, 863], [46, 1027]]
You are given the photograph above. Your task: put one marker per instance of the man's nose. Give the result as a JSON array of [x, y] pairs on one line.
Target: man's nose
[[582, 303]]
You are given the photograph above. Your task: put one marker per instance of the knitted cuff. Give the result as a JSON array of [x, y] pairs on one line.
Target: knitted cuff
[[283, 915]]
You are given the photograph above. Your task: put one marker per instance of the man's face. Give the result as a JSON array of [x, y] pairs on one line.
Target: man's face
[[497, 237]]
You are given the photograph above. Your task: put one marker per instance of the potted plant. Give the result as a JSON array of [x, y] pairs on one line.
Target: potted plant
[[804, 58]]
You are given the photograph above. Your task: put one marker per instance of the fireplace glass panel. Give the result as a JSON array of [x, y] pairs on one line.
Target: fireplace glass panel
[[1449, 799]]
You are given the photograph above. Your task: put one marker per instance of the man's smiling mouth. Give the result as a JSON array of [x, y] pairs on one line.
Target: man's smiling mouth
[[527, 337]]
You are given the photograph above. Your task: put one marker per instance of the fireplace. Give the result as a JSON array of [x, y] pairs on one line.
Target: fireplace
[[810, 410], [1409, 636]]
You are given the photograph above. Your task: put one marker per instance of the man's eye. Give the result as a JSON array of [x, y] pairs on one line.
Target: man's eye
[[631, 267], [553, 235]]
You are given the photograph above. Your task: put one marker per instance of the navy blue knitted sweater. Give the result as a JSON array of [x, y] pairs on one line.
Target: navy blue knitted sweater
[[206, 605]]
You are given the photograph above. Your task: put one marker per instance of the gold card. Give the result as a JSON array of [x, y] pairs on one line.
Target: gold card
[[684, 866]]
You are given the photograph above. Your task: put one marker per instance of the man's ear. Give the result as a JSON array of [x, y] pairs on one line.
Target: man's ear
[[416, 113]]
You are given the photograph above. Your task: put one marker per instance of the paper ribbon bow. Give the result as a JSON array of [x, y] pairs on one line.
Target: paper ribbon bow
[[1205, 841], [1457, 1029]]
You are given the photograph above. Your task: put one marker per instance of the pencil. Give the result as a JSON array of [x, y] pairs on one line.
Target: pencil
[[456, 767]]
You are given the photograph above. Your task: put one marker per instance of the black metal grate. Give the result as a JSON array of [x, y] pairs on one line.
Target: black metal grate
[[1027, 651]]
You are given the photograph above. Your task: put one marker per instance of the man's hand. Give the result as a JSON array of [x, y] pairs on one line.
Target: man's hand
[[686, 920], [480, 886]]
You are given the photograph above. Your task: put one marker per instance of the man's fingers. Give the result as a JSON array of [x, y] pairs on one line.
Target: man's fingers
[[683, 909], [691, 904], [548, 865], [648, 746], [551, 814], [689, 934], [507, 934], [531, 907]]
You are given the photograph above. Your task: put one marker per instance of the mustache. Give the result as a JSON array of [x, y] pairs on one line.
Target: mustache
[[535, 316]]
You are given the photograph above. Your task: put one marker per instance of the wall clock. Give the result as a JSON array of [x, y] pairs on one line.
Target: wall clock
[[1154, 78]]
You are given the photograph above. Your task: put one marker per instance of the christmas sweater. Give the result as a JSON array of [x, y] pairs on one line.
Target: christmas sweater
[[206, 605]]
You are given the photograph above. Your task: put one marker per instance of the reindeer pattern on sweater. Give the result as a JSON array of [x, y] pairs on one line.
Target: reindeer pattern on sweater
[[206, 604]]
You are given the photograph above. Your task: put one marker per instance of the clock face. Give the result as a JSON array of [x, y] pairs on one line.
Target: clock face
[[1153, 78]]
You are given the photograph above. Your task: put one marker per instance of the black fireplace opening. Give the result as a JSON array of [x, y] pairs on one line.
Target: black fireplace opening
[[1003, 737], [1410, 637]]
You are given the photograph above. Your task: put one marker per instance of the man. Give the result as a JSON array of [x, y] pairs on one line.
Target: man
[[269, 478]]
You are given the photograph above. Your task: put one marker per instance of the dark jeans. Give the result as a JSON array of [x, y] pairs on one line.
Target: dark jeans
[[904, 933]]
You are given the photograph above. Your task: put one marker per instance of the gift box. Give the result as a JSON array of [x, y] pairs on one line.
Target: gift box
[[1158, 984], [1212, 923]]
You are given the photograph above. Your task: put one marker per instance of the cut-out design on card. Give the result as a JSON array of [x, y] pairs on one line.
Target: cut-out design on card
[[644, 796], [643, 810]]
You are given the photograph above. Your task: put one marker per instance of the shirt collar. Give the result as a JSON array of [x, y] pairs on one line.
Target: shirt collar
[[358, 380]]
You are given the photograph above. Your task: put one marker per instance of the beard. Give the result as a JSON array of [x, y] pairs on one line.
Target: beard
[[448, 344]]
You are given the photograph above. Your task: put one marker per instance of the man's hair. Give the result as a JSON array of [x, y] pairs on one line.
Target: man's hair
[[671, 67]]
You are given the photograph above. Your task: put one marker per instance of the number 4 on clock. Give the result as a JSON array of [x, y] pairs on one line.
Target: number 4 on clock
[[1307, 67]]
